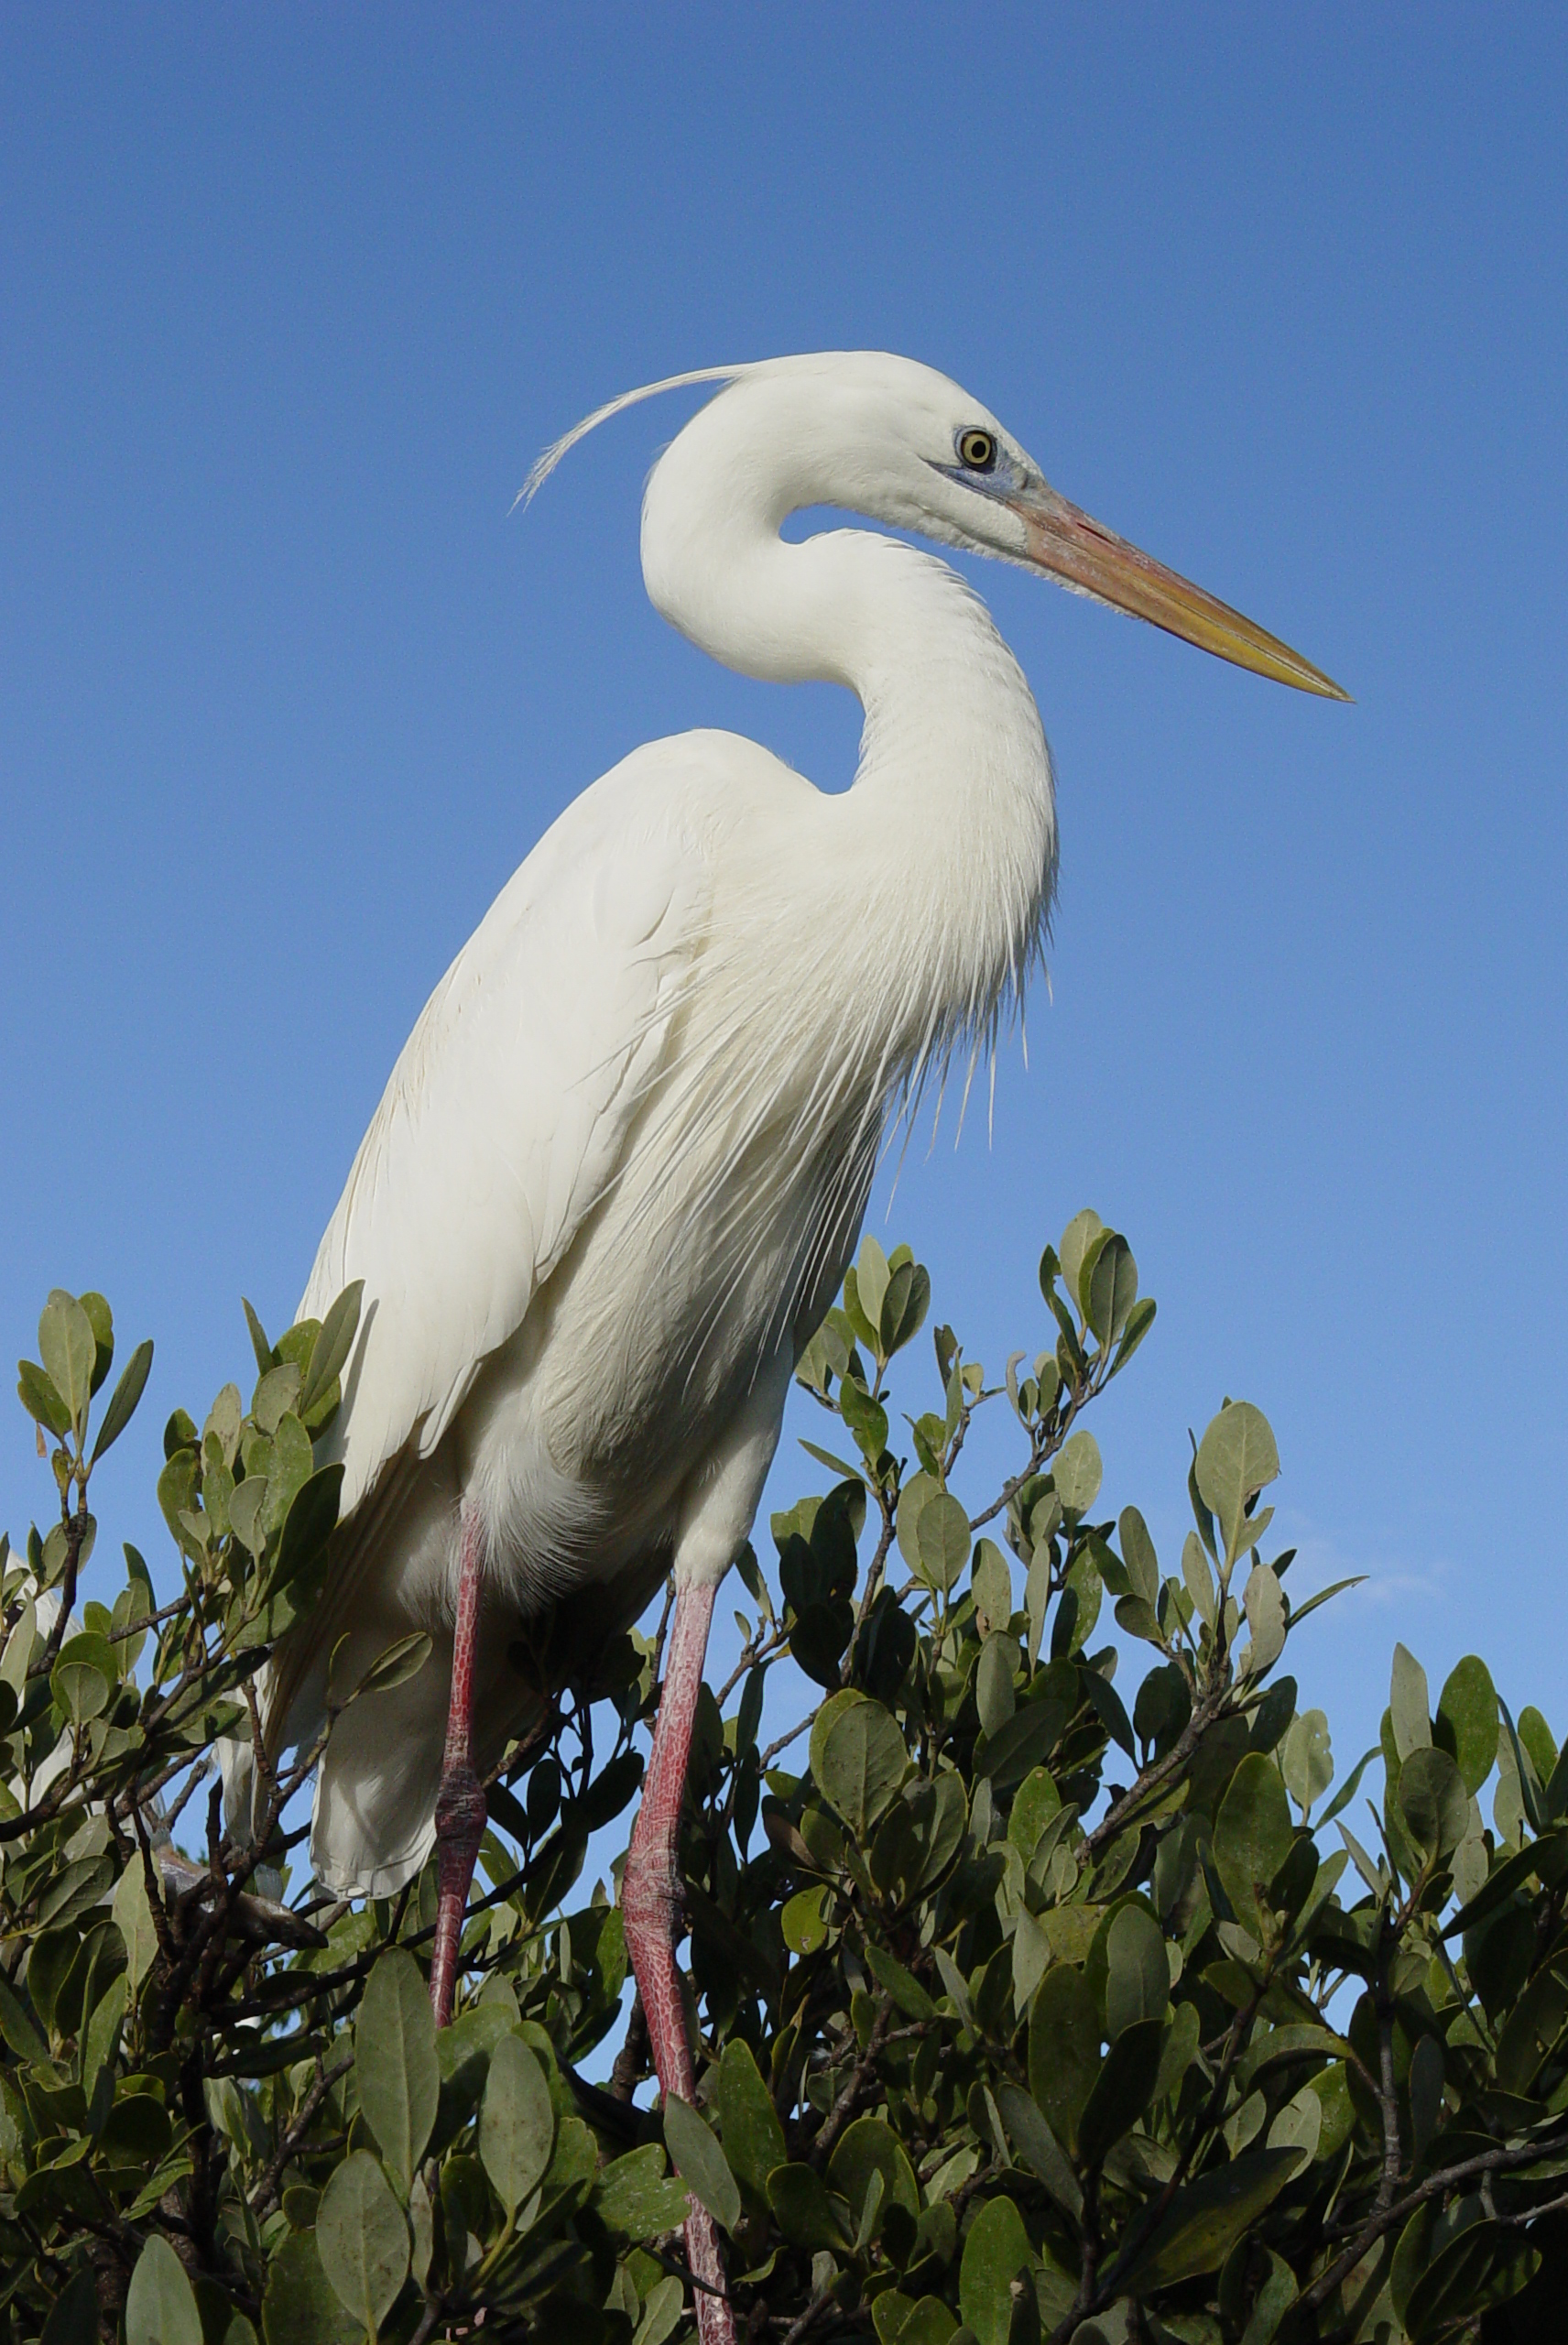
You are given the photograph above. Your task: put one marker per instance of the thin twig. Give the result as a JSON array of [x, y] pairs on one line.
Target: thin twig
[[784, 1742], [264, 2198], [1436, 2186], [839, 2114]]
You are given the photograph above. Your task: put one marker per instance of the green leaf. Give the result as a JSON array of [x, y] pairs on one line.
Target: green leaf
[[36, 1392], [995, 2252], [1467, 1720], [160, 2304], [1063, 2049], [904, 1306], [1273, 2299], [992, 1582], [1433, 1801], [258, 1343], [1263, 1602], [661, 2311], [276, 1396], [1112, 1289], [1122, 2090], [123, 1400], [839, 1466], [1104, 1698], [101, 1319], [1080, 1607], [308, 1526], [1299, 1613], [1306, 1758], [1348, 1788], [753, 2138], [1536, 1737], [866, 1420], [1517, 1762], [1078, 1472], [915, 1496], [1298, 2125], [804, 2211], [898, 2320], [362, 2237], [871, 1276], [83, 1677], [15, 2026], [1236, 1458], [246, 1506], [1252, 1838], [403, 1659], [1137, 1976], [803, 1921], [1207, 2218], [902, 1985], [1138, 1556], [995, 1697], [1198, 1580], [74, 2319], [1035, 2142], [288, 1469], [941, 1540], [335, 1341], [1408, 1704], [1034, 1802], [1180, 2049], [68, 1350], [1140, 1319], [137, 2131], [700, 2162], [1507, 1875], [1076, 1239], [833, 1709], [395, 2062], [634, 2198], [1163, 1706], [610, 1791], [863, 1761], [1484, 2265], [517, 2124], [100, 2038], [866, 2148]]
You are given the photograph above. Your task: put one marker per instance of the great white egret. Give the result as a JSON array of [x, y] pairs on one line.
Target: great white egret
[[620, 1166]]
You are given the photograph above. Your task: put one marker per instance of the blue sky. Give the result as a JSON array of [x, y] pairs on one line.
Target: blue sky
[[290, 298]]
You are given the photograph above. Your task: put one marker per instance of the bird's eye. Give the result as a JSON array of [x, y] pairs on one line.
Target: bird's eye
[[977, 450]]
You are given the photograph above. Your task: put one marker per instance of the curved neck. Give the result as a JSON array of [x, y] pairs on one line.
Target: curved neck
[[944, 851], [949, 716]]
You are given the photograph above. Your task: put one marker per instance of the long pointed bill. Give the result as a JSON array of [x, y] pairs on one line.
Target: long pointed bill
[[1069, 546]]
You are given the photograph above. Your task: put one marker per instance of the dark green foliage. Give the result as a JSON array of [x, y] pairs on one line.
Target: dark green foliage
[[1030, 2008]]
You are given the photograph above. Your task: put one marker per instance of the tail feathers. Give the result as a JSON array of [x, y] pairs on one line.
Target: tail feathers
[[374, 1822]]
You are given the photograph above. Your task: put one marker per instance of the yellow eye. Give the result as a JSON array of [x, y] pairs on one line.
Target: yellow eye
[[977, 450]]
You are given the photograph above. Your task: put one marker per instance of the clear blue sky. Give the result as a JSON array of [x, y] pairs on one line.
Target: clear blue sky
[[288, 299]]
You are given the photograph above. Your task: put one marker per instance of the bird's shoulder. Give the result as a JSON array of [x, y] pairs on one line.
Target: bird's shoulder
[[506, 1112]]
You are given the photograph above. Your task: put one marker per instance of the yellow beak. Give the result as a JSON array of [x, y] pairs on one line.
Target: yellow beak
[[1067, 545]]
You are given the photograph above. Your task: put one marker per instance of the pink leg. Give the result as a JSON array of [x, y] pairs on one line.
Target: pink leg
[[460, 1803], [650, 1903]]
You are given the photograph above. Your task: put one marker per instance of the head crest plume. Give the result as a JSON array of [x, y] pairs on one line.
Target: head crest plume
[[546, 464]]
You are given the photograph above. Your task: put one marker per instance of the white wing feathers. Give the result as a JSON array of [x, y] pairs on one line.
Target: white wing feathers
[[509, 1109]]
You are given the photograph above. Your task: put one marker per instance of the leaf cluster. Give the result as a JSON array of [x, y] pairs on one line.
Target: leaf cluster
[[1030, 2004]]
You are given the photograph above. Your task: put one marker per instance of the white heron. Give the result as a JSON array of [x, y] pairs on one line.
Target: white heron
[[621, 1163]]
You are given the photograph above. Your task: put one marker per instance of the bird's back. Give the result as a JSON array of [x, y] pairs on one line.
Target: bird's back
[[584, 1232]]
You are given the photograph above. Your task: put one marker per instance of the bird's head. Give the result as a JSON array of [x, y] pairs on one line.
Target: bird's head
[[903, 444]]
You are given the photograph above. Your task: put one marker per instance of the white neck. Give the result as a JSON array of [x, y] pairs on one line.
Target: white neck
[[953, 796]]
